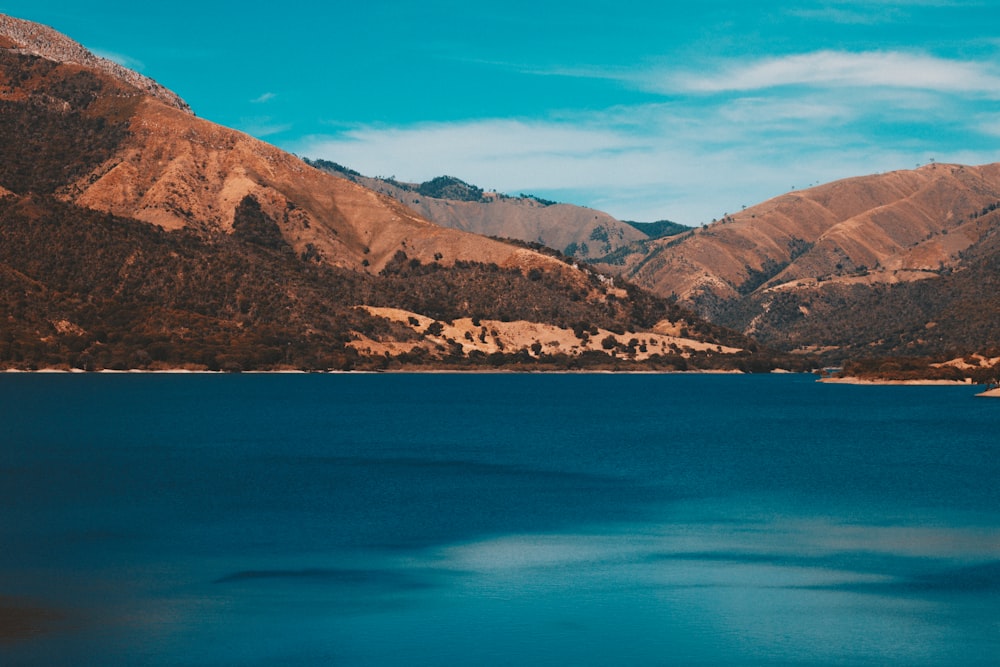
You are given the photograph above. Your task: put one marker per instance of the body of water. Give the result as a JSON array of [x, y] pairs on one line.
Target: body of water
[[441, 519]]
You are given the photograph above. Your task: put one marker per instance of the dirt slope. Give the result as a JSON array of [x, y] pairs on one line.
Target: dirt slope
[[890, 227]]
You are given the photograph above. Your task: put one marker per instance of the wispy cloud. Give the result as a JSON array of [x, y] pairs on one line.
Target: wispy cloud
[[814, 70], [266, 97], [501, 153], [839, 69], [640, 163], [872, 12], [686, 163], [121, 59], [733, 134], [263, 126], [990, 124], [850, 13]]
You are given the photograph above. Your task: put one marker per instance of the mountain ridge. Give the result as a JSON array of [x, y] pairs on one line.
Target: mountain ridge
[[867, 221], [135, 235], [779, 269], [850, 241], [582, 233], [43, 41]]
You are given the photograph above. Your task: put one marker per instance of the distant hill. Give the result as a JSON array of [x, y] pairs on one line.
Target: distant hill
[[659, 229], [889, 264], [136, 235], [575, 231]]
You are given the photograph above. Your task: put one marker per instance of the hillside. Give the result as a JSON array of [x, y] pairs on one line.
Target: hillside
[[575, 231], [136, 235], [896, 263], [658, 229]]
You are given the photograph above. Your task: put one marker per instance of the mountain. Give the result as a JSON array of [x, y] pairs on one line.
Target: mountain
[[35, 39], [575, 231], [897, 263], [135, 235], [659, 228]]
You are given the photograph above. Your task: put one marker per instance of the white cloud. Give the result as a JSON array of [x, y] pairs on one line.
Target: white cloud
[[266, 97], [500, 153], [642, 163], [263, 126], [832, 69], [121, 59], [989, 124], [693, 158], [849, 16], [900, 72]]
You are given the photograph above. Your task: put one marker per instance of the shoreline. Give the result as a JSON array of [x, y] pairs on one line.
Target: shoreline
[[855, 381], [398, 371], [897, 383]]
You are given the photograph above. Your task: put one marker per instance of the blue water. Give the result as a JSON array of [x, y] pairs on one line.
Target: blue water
[[496, 520]]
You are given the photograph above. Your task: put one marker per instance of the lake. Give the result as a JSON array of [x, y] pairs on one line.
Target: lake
[[496, 519]]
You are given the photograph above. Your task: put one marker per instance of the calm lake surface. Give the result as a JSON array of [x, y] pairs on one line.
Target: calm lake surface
[[496, 520]]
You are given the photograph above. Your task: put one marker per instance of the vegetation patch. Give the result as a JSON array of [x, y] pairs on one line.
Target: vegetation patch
[[85, 289], [449, 187]]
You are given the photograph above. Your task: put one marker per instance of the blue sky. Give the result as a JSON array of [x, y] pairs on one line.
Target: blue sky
[[642, 109]]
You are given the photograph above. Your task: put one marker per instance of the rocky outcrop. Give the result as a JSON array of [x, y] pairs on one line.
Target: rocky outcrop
[[39, 40]]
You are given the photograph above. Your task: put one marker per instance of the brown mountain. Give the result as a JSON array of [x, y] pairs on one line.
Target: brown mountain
[[895, 263], [134, 234], [143, 155], [576, 231]]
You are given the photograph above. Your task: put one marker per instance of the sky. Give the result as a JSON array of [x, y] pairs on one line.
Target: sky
[[647, 110]]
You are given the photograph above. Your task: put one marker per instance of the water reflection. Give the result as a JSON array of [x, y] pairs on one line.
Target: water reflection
[[749, 589], [833, 592]]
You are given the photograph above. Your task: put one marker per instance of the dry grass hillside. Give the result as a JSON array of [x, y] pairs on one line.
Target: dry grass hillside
[[575, 231], [136, 235], [169, 168], [178, 171], [864, 264], [892, 227]]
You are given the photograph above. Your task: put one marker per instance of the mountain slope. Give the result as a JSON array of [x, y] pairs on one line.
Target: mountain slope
[[176, 171], [133, 149], [135, 235], [34, 39], [810, 268], [576, 231], [86, 289]]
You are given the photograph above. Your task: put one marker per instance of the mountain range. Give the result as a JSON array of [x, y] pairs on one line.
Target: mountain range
[[134, 234], [901, 263], [576, 231], [137, 235], [895, 264]]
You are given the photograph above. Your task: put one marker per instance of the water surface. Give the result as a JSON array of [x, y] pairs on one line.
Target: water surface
[[495, 520]]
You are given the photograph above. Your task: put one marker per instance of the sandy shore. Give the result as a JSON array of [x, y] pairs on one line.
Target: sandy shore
[[991, 393], [908, 383]]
